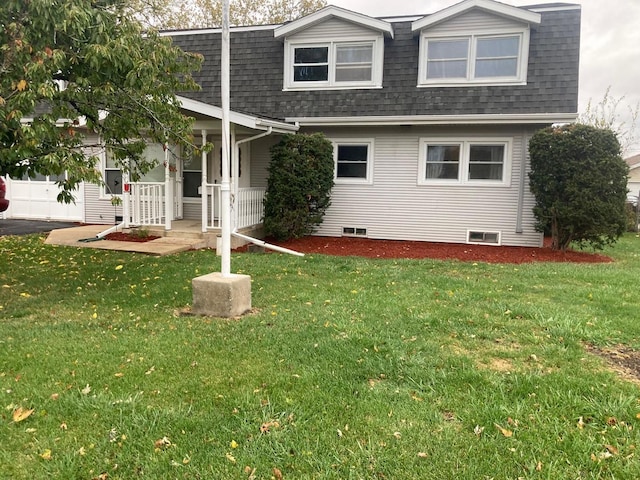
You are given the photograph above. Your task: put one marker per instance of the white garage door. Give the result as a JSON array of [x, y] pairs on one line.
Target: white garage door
[[36, 198]]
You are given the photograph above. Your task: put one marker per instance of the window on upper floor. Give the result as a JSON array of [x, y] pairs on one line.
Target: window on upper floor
[[465, 161], [333, 65], [353, 161], [490, 59]]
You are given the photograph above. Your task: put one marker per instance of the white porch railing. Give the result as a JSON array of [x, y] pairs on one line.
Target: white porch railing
[[250, 206], [146, 203], [213, 205]]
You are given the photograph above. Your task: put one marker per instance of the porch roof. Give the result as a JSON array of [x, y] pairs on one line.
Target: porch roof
[[249, 121]]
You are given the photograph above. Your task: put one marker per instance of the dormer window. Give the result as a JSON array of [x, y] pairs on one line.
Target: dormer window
[[484, 59], [335, 64]]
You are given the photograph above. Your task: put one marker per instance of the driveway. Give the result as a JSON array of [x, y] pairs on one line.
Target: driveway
[[12, 226]]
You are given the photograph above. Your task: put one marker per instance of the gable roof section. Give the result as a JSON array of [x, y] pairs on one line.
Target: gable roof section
[[490, 6], [333, 12], [249, 121]]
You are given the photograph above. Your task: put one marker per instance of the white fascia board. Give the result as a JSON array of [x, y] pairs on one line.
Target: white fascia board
[[491, 6], [237, 118], [333, 12], [498, 119], [202, 31]]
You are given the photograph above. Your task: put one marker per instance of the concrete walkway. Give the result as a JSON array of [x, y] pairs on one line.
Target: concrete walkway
[[71, 237]]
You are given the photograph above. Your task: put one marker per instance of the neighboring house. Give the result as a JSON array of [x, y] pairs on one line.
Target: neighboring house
[[430, 117], [633, 184]]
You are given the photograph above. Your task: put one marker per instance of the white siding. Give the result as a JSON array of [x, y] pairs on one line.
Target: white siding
[[475, 21], [332, 29], [396, 207], [260, 158], [99, 210]]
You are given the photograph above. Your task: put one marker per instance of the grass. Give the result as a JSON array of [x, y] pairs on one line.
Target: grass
[[349, 368]]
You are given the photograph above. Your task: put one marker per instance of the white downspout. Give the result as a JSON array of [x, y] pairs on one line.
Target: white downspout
[[235, 230], [204, 191]]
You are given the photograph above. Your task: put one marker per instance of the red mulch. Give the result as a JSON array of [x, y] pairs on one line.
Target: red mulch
[[363, 247], [128, 237]]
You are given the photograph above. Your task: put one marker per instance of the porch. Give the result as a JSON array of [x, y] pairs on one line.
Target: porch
[[154, 207]]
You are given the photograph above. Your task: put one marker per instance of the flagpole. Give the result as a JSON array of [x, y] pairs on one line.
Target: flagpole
[[225, 187]]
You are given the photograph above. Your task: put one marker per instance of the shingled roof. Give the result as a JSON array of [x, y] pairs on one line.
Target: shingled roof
[[257, 62]]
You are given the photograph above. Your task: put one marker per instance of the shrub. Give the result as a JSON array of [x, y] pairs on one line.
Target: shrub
[[580, 183], [299, 185]]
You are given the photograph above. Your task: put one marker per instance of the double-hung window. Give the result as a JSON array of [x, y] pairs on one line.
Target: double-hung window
[[482, 59], [470, 161], [334, 64], [353, 161]]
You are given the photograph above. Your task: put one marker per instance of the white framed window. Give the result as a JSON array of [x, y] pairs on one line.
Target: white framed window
[[491, 58], [353, 160], [477, 161], [336, 64]]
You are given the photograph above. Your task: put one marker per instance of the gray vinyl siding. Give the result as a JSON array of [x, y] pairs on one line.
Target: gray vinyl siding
[[192, 211], [330, 30], [395, 207], [99, 210], [260, 158], [474, 21]]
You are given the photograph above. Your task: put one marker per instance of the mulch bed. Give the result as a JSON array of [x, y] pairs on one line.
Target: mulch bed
[[363, 247], [128, 237]]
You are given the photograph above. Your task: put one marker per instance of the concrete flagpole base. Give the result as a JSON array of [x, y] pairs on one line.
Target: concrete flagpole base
[[218, 296]]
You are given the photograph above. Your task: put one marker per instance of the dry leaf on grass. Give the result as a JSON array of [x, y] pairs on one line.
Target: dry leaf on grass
[[277, 473], [20, 414], [504, 431]]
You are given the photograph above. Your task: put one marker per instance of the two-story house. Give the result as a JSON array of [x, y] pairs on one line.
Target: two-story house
[[429, 115]]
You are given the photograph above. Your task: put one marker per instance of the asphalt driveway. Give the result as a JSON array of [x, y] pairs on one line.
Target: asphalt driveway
[[13, 226]]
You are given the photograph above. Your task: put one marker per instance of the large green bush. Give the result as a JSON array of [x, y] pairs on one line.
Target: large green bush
[[579, 180], [299, 186]]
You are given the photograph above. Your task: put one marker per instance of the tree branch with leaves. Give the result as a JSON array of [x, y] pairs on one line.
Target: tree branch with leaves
[[70, 67]]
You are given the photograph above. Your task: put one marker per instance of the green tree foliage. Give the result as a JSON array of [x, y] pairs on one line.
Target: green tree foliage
[[180, 14], [66, 64], [299, 187], [580, 183]]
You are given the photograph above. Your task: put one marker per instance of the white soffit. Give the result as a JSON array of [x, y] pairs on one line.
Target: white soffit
[[333, 12]]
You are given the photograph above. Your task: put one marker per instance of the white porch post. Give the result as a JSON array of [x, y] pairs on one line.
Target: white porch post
[[203, 184], [126, 200], [168, 191], [234, 179]]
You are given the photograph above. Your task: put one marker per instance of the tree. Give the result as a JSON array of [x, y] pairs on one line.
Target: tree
[[605, 114], [299, 186], [66, 64], [579, 181], [180, 14]]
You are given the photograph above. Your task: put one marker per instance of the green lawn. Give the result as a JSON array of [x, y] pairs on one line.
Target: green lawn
[[349, 368]]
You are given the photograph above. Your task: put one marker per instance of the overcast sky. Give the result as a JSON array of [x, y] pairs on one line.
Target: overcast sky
[[610, 44]]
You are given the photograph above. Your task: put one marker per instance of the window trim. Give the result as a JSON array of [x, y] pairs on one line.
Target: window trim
[[377, 55], [473, 36], [465, 144], [369, 142]]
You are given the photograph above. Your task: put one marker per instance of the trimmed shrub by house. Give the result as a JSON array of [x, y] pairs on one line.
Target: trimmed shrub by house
[[579, 180], [299, 185]]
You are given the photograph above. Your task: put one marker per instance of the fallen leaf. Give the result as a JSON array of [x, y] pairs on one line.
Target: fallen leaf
[[164, 442], [46, 455], [422, 455], [504, 431], [277, 473], [231, 458], [20, 414], [233, 444], [611, 449], [478, 430], [86, 390], [539, 467], [581, 423], [54, 396], [102, 476]]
